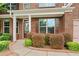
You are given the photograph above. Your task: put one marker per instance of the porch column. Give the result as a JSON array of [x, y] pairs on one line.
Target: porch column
[[29, 23], [14, 28]]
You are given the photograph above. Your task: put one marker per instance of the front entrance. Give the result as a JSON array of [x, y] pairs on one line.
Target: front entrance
[[26, 27]]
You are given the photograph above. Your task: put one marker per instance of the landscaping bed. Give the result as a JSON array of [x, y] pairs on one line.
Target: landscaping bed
[[53, 41], [5, 39]]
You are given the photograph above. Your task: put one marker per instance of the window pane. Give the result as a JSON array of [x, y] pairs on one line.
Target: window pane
[[13, 6], [43, 22], [51, 22], [6, 25], [6, 29], [26, 5], [42, 29], [46, 4], [50, 29]]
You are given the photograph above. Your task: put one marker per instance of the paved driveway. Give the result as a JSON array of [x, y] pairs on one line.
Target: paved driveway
[[20, 50]]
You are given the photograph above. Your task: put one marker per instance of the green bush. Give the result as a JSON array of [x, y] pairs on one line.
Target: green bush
[[0, 34], [56, 41], [4, 45], [73, 46], [7, 34], [67, 38], [27, 42], [5, 37], [47, 39]]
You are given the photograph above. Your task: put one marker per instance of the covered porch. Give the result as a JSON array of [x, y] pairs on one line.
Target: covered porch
[[31, 14]]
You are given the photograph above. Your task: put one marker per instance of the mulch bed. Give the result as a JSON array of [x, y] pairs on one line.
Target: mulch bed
[[47, 48]]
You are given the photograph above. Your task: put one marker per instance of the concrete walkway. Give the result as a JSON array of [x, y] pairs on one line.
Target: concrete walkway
[[20, 50]]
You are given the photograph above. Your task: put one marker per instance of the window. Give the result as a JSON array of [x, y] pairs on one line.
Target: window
[[47, 25], [26, 5], [13, 6], [6, 25], [46, 4]]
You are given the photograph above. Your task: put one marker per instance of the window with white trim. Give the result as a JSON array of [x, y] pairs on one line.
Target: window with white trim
[[26, 5], [47, 25], [6, 25], [46, 4]]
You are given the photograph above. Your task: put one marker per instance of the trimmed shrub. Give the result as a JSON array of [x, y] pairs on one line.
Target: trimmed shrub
[[7, 34], [47, 39], [29, 35], [0, 34], [4, 45], [56, 41], [73, 46], [5, 37], [38, 40], [27, 42], [67, 38]]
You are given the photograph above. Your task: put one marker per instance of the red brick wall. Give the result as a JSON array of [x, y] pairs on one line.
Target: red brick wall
[[20, 27], [34, 5], [61, 24], [59, 4], [75, 11], [68, 16], [34, 25]]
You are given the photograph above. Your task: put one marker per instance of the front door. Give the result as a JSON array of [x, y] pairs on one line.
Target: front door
[[26, 28]]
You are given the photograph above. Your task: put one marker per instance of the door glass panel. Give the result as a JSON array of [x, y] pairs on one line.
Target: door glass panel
[[26, 27]]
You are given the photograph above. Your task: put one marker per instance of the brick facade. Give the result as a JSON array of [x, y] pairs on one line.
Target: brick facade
[[65, 21]]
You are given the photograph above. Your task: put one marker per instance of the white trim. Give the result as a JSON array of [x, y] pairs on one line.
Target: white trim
[[10, 9], [42, 10], [23, 29], [5, 16], [39, 26], [29, 23], [14, 28], [49, 13]]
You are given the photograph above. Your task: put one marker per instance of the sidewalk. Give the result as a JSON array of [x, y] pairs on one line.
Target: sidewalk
[[20, 50]]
